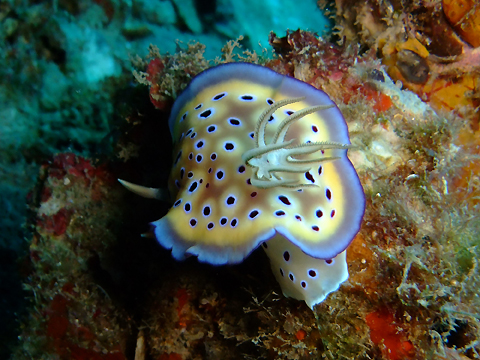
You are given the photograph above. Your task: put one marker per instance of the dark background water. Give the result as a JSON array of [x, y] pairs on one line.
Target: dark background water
[[63, 64]]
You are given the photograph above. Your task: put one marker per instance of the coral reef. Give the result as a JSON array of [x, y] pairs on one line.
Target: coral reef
[[430, 47], [66, 76], [73, 316], [100, 291]]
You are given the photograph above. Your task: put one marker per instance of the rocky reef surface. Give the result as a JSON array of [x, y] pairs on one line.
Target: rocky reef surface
[[66, 74], [98, 290]]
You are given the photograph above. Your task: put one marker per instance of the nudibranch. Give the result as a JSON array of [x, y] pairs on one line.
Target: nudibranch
[[260, 158]]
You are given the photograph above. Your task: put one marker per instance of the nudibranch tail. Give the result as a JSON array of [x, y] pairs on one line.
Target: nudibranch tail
[[260, 157]]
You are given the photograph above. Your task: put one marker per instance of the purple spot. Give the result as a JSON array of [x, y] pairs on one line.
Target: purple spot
[[198, 106], [199, 144], [286, 256], [281, 272], [206, 211], [193, 187], [253, 214], [298, 217], [314, 128], [319, 170], [213, 156], [190, 174], [233, 223], [309, 177], [219, 174], [253, 194], [332, 214], [329, 261], [193, 222], [219, 96], [205, 114], [280, 213], [229, 146], [312, 273], [178, 202], [187, 207], [234, 122], [190, 156], [223, 221], [304, 284], [210, 225], [284, 200], [211, 128], [290, 276], [315, 228], [328, 194], [319, 213], [231, 200]]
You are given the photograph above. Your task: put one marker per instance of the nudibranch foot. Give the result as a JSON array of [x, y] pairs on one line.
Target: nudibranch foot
[[302, 276]]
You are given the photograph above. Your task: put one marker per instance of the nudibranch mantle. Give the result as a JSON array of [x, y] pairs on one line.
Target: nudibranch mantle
[[261, 157]]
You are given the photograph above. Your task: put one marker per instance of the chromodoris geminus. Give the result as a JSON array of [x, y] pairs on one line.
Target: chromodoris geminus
[[261, 158]]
